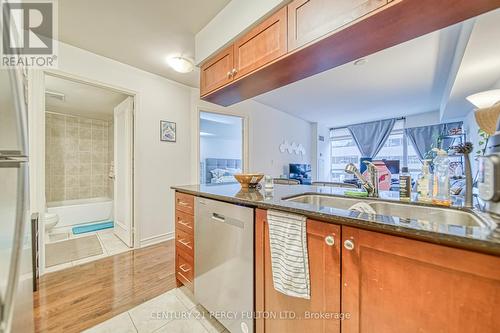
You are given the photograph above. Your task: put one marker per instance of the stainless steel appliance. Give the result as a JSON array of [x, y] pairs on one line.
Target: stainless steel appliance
[[489, 174], [224, 273], [16, 280]]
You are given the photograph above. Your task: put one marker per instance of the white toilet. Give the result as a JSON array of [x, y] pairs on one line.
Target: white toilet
[[50, 221]]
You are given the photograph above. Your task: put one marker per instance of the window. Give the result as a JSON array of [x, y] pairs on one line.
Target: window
[[344, 151]]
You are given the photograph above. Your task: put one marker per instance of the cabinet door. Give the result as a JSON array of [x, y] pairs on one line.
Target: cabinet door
[[311, 19], [324, 270], [217, 71], [393, 285], [264, 43]]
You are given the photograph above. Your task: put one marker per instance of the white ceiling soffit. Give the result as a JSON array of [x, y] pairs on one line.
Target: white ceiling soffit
[[81, 99], [479, 68], [138, 33], [221, 126], [403, 80]]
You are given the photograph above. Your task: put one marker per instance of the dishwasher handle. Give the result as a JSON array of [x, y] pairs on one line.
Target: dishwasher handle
[[218, 218], [222, 219]]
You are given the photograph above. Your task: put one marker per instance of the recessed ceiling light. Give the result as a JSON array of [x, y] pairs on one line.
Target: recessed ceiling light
[[181, 64], [485, 99], [360, 62]]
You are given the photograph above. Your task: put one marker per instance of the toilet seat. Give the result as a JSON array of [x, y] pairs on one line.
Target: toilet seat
[[51, 217], [50, 220]]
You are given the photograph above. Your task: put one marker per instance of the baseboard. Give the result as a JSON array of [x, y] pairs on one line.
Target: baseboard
[[157, 239]]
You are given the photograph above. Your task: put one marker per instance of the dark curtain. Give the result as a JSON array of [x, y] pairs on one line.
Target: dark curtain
[[371, 137], [425, 138]]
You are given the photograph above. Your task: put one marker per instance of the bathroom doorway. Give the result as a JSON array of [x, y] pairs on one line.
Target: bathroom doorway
[[88, 172]]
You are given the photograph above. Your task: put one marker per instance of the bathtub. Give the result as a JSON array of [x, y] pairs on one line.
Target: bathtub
[[73, 212]]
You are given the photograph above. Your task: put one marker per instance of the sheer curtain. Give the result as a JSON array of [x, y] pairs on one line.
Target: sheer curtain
[[425, 138], [371, 137]]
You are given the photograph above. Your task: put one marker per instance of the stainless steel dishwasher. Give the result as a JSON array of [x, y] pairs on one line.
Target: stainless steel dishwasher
[[224, 274]]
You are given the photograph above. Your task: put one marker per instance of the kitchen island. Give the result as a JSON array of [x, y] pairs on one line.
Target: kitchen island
[[372, 272]]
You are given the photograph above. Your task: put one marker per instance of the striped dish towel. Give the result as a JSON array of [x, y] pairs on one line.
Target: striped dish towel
[[289, 258]]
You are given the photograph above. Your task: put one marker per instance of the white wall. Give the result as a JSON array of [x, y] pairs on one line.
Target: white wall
[[320, 163], [158, 165], [267, 128], [231, 21], [220, 148], [423, 119]]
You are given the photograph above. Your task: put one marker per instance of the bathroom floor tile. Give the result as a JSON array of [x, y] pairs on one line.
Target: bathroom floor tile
[[112, 244], [54, 237], [119, 324], [157, 312], [58, 267]]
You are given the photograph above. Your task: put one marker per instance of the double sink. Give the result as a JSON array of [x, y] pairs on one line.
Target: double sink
[[430, 214]]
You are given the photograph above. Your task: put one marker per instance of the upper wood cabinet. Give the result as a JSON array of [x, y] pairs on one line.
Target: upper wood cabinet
[[311, 19], [217, 72], [392, 285], [324, 270], [264, 43]]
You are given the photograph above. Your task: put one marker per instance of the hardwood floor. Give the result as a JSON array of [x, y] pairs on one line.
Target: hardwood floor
[[80, 297]]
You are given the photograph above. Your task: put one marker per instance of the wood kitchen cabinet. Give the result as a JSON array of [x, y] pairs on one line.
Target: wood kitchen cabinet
[[393, 284], [311, 19], [184, 239], [218, 71], [263, 44], [324, 268]]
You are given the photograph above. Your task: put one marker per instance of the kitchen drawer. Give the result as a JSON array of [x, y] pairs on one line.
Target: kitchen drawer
[[184, 203], [184, 268], [184, 221], [184, 241]]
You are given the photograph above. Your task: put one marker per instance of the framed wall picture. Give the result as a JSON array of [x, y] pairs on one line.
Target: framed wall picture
[[168, 131]]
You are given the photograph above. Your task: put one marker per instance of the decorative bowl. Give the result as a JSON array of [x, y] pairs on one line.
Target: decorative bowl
[[248, 180]]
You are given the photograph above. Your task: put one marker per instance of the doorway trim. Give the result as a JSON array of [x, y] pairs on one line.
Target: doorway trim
[[223, 112], [36, 107]]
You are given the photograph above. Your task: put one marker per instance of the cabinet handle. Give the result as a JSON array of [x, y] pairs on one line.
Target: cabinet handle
[[329, 240], [183, 242], [185, 224], [229, 74], [349, 245], [181, 267], [233, 72], [182, 203]]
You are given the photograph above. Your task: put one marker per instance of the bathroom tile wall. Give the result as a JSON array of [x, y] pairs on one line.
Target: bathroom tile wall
[[77, 157]]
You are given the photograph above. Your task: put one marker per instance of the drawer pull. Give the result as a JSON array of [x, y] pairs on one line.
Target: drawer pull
[[186, 224], [185, 243], [181, 267], [182, 203]]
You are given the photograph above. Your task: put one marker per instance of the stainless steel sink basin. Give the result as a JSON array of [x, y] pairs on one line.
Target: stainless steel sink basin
[[318, 200], [438, 215], [425, 213]]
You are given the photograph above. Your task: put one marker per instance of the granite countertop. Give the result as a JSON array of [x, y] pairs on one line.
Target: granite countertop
[[484, 239]]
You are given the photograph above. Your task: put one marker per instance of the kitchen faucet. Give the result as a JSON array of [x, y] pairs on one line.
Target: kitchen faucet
[[371, 186]]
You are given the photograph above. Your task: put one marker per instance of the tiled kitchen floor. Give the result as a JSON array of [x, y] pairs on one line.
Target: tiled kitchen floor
[[155, 316], [110, 244]]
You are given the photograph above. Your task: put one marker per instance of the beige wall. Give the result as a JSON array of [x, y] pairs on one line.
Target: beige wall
[[78, 155]]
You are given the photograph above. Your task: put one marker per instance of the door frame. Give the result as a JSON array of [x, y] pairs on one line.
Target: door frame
[[223, 112], [36, 125]]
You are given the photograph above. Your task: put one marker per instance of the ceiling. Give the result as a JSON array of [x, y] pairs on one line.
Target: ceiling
[[138, 33], [407, 79], [81, 99], [215, 126], [479, 68]]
